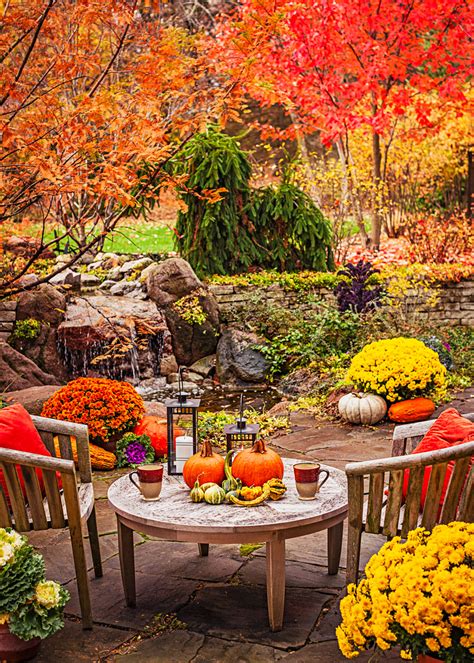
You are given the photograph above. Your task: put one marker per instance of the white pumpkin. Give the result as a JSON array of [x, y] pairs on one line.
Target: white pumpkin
[[364, 409]]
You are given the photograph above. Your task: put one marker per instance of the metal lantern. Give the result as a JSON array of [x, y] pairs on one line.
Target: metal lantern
[[181, 412], [240, 432]]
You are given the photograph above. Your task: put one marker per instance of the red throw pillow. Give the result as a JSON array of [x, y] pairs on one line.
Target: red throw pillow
[[18, 432], [449, 430]]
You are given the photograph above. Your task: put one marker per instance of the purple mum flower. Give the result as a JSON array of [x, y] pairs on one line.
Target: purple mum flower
[[135, 453]]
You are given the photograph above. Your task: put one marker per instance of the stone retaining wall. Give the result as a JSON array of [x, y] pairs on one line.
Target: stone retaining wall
[[7, 319], [452, 303]]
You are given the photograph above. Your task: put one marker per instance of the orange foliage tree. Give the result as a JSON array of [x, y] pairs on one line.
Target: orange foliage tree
[[95, 99]]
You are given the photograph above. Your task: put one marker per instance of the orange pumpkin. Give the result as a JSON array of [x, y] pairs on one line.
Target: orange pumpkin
[[256, 465], [155, 428], [205, 466], [415, 409]]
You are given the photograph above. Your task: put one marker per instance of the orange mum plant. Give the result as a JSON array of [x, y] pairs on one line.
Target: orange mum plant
[[108, 407]]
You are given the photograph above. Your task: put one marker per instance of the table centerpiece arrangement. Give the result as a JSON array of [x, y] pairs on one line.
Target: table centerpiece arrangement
[[245, 478]]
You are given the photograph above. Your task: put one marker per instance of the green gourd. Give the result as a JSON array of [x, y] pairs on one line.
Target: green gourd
[[205, 486], [230, 482], [214, 495], [197, 493], [232, 493]]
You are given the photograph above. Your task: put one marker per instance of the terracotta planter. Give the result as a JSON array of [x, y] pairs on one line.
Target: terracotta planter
[[425, 658], [13, 649]]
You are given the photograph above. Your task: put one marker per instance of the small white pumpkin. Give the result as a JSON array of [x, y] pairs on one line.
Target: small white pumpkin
[[361, 408]]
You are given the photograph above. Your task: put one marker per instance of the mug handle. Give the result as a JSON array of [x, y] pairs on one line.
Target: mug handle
[[325, 478], [130, 476]]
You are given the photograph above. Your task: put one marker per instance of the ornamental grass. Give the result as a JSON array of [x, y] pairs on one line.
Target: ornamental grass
[[397, 369], [418, 595], [108, 407]]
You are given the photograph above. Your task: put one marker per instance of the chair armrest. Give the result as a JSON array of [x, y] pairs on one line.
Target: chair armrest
[[413, 460], [37, 461]]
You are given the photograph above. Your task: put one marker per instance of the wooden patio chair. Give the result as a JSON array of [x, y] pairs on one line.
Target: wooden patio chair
[[387, 514], [66, 508]]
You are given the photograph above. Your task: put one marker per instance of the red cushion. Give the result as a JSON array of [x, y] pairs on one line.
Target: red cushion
[[449, 430], [18, 432]]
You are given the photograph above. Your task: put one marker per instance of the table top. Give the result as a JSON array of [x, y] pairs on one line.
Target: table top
[[175, 511]]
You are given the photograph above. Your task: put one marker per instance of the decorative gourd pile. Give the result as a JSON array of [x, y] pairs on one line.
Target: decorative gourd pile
[[255, 476]]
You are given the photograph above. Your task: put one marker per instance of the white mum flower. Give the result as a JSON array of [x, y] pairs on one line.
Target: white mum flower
[[7, 553]]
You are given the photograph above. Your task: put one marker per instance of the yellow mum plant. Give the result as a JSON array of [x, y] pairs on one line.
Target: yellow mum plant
[[418, 595], [397, 368]]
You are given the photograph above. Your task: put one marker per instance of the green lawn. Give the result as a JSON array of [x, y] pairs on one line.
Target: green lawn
[[148, 238], [143, 238]]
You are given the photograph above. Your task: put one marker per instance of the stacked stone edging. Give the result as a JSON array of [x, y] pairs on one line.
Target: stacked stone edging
[[7, 318], [451, 303]]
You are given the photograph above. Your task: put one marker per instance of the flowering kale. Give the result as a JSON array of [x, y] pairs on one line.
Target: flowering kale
[[133, 450], [357, 295]]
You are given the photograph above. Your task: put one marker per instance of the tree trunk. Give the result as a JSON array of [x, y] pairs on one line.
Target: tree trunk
[[470, 184], [377, 176], [349, 177]]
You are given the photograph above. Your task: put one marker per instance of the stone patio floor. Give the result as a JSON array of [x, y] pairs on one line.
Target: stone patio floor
[[206, 610]]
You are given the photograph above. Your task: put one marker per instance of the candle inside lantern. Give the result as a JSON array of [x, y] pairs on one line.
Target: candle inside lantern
[[184, 449]]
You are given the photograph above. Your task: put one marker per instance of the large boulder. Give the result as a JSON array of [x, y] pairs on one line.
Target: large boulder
[[117, 337], [47, 305], [19, 372], [238, 362], [32, 398], [44, 303], [173, 280]]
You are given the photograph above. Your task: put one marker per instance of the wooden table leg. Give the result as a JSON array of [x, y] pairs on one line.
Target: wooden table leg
[[334, 548], [203, 549], [127, 563], [276, 582]]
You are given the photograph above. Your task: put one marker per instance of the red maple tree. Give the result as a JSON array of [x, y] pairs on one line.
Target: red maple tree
[[340, 65]]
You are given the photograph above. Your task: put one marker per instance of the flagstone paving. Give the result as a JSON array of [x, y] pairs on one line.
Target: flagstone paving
[[206, 610]]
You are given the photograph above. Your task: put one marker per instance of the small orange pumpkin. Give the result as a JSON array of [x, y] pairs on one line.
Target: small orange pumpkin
[[156, 429], [256, 465], [415, 409], [205, 466]]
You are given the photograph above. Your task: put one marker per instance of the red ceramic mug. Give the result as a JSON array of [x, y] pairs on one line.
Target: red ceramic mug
[[150, 480], [307, 479]]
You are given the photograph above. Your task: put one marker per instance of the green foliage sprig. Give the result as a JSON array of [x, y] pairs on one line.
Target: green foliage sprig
[[190, 310], [211, 425], [26, 330]]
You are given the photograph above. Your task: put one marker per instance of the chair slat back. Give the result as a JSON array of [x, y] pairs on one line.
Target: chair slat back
[[66, 432], [53, 497], [392, 520], [5, 514], [27, 510], [34, 498], [48, 441], [374, 511], [466, 504]]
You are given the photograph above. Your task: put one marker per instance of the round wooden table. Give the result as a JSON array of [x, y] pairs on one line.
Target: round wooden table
[[175, 518]]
